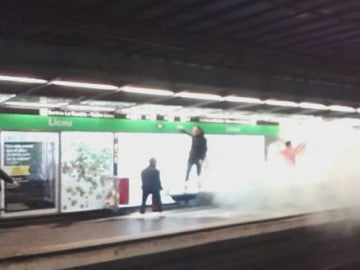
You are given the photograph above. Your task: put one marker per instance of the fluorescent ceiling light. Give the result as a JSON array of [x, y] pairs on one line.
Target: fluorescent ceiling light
[[133, 116], [89, 108], [313, 106], [21, 79], [339, 108], [93, 103], [194, 111], [97, 103], [199, 96], [147, 91], [301, 116], [85, 85], [282, 103], [151, 109], [110, 104], [243, 99], [34, 105], [5, 97]]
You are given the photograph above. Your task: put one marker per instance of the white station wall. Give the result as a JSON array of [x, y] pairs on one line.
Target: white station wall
[[230, 158], [135, 150]]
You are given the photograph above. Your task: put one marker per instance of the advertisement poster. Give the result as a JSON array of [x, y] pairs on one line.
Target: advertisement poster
[[86, 164], [31, 158]]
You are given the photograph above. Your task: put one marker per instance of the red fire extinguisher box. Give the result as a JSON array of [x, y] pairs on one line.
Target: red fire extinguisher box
[[123, 190]]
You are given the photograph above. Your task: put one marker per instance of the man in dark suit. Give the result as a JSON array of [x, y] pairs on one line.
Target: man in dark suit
[[151, 184]]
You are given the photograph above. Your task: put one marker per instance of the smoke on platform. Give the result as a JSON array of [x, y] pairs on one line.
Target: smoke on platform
[[326, 174]]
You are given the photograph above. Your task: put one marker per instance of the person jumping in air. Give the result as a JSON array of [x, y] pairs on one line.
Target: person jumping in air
[[198, 150], [289, 153]]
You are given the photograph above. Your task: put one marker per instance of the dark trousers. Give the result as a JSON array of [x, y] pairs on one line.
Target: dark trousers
[[156, 200], [191, 162]]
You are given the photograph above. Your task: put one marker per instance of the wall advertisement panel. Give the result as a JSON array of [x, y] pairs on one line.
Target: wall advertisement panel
[[31, 158], [86, 163]]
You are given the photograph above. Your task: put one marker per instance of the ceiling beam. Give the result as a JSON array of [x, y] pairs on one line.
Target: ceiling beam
[[47, 62]]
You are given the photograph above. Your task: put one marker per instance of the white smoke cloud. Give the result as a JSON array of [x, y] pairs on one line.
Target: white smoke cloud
[[326, 175]]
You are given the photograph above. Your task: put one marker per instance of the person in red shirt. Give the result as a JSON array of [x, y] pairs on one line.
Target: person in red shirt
[[290, 152]]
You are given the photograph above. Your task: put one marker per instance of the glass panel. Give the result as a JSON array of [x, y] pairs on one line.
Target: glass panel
[[31, 158]]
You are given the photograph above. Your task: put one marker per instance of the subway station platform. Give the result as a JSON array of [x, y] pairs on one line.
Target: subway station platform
[[90, 243]]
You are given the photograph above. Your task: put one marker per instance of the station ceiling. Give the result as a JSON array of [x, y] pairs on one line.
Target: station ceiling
[[293, 50]]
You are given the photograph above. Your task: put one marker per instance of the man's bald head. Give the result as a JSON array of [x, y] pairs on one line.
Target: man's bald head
[[152, 161]]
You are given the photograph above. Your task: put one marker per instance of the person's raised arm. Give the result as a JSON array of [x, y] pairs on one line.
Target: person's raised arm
[[183, 130], [300, 147]]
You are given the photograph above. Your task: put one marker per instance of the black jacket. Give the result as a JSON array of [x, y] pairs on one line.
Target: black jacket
[[5, 176], [150, 178], [198, 146]]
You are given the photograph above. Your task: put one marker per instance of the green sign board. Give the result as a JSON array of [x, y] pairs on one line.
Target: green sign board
[[63, 123]]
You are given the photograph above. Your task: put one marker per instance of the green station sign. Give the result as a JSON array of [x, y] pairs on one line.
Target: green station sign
[[64, 123]]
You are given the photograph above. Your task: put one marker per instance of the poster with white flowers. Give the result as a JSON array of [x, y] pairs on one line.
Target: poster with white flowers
[[86, 161]]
